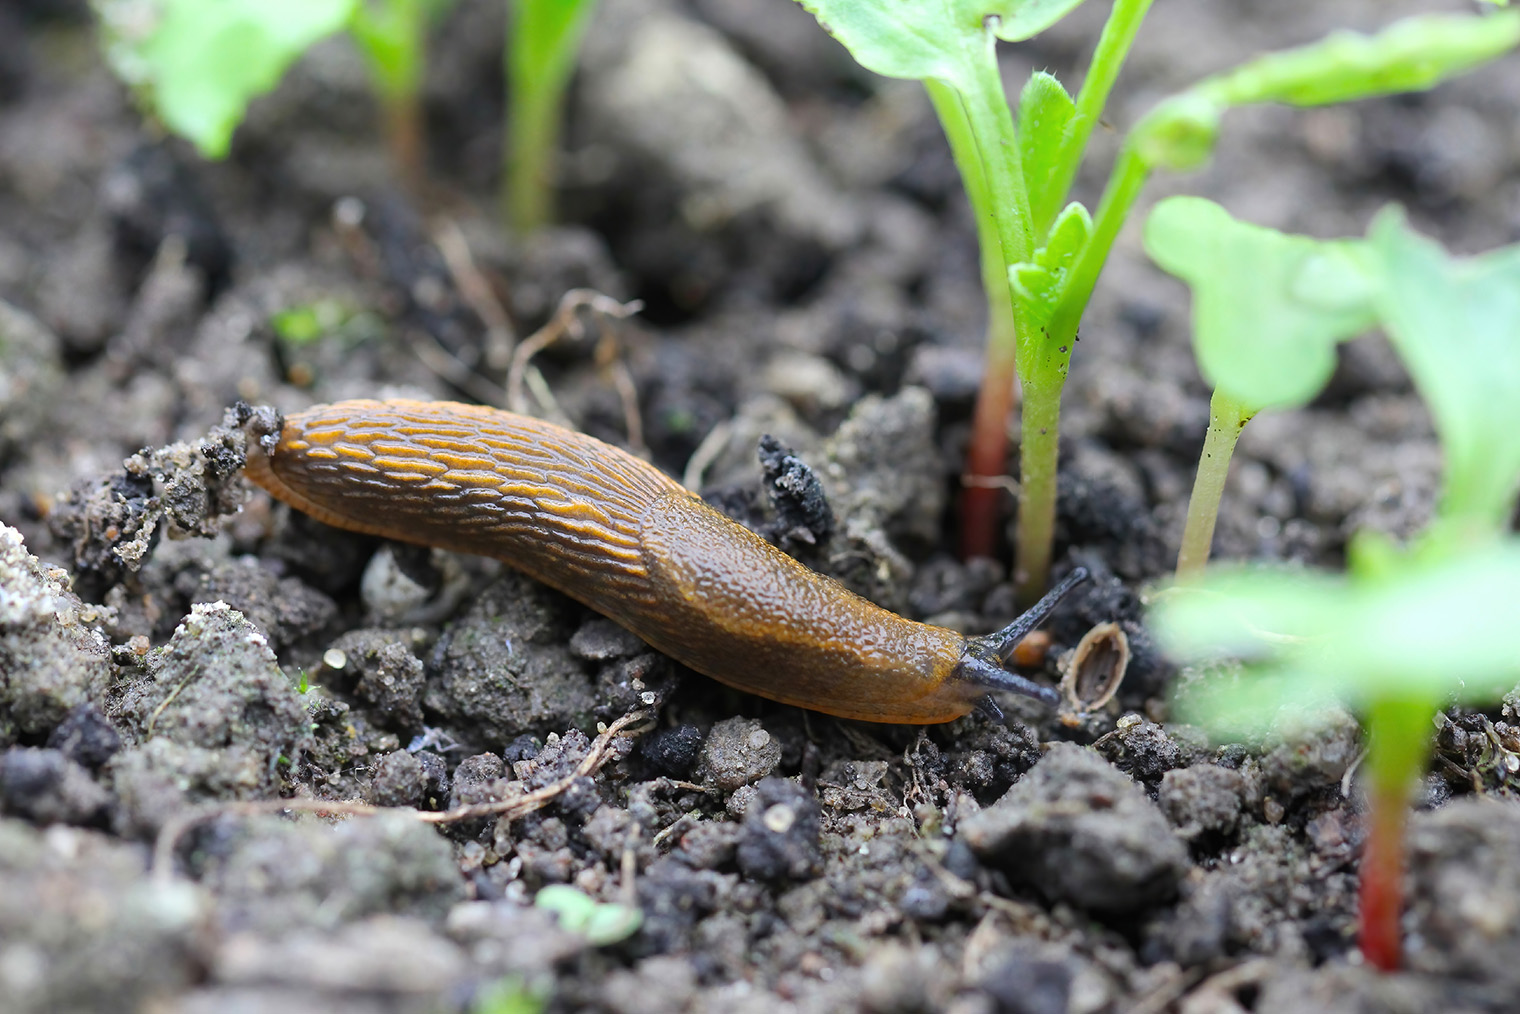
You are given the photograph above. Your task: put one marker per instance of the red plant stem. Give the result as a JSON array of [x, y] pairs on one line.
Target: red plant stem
[[987, 457], [1381, 892]]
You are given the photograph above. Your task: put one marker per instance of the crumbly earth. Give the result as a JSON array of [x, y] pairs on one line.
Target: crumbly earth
[[227, 732]]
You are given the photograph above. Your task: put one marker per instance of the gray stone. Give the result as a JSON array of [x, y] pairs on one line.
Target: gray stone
[[1078, 830]]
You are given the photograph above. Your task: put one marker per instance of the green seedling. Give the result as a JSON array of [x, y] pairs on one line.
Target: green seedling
[[392, 35], [197, 65], [601, 923], [1016, 176], [541, 47], [306, 323], [1268, 309], [1041, 255], [1407, 629], [1397, 638], [1453, 323], [317, 334]]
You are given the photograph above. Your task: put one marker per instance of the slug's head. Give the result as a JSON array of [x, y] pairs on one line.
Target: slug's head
[[985, 660]]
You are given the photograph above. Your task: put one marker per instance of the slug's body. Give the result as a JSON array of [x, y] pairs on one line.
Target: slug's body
[[617, 534]]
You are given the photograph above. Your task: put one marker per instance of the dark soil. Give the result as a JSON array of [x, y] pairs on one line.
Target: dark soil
[[190, 654]]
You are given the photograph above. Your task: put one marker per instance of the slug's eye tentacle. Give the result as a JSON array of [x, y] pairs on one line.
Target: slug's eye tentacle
[[1002, 642], [984, 657]]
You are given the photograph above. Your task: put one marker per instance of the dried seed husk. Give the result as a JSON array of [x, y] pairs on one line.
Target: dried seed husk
[[1095, 668]]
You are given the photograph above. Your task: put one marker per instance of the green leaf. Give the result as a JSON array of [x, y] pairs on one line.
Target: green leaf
[[1268, 308], [1456, 325], [199, 63], [510, 995], [392, 36], [1045, 122], [306, 323], [1422, 632], [1271, 700], [938, 39], [600, 923], [1179, 134], [1410, 55], [1246, 612], [1040, 284], [545, 37]]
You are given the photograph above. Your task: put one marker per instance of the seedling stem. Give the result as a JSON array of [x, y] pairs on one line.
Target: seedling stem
[[1113, 47], [532, 140], [1227, 417], [392, 36], [1400, 739], [1045, 359], [988, 451], [540, 56], [1038, 455], [1016, 351]]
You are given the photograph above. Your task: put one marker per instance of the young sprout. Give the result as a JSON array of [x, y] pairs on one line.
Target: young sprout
[[1394, 640], [1268, 310], [511, 994], [1308, 294], [1407, 629], [197, 64], [541, 47], [392, 36], [1017, 176], [601, 923]]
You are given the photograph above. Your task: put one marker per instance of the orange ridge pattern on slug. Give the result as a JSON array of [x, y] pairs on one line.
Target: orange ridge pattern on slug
[[618, 535]]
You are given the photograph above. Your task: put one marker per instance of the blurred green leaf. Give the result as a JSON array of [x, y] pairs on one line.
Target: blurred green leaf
[[1268, 308], [936, 39], [1410, 55], [199, 63], [392, 35], [1179, 134], [509, 995], [306, 323], [1456, 325], [601, 923], [545, 37], [1425, 631]]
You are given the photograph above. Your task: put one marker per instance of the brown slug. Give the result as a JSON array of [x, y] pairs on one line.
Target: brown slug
[[615, 533]]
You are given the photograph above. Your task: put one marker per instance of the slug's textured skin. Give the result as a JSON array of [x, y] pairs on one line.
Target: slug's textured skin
[[617, 534]]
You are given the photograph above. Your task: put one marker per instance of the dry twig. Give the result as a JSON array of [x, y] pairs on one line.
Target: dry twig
[[518, 806]]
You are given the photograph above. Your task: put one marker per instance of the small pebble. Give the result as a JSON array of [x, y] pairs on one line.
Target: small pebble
[[738, 751], [780, 835]]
